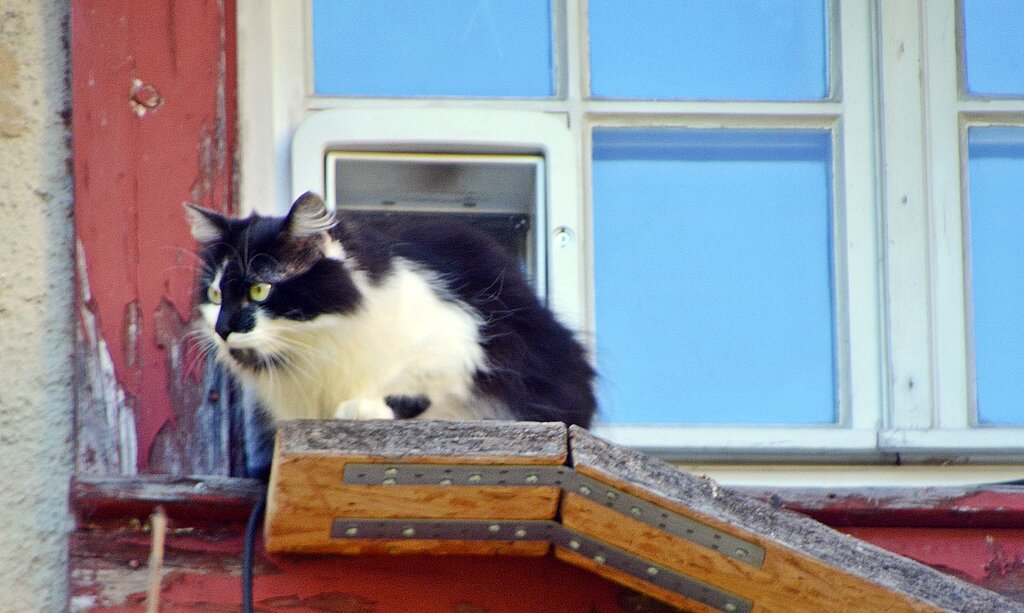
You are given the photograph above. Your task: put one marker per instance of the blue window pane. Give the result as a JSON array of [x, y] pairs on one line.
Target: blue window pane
[[996, 183], [432, 48], [994, 46], [695, 49], [713, 293]]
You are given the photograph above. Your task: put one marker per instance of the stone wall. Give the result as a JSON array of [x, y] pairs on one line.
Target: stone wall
[[36, 296]]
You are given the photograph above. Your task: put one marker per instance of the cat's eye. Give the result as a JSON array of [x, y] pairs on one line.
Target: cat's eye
[[213, 294], [258, 292]]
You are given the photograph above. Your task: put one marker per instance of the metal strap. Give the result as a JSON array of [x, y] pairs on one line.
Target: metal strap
[[568, 480], [542, 530]]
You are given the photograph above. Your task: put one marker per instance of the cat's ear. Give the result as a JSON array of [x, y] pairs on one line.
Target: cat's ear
[[308, 217], [207, 226]]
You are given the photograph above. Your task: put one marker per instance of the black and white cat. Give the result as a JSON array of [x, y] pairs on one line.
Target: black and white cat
[[323, 316]]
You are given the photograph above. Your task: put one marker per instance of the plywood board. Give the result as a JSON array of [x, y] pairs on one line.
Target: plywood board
[[640, 522], [807, 567], [307, 493]]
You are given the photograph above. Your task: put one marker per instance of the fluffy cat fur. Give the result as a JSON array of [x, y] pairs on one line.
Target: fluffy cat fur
[[323, 316]]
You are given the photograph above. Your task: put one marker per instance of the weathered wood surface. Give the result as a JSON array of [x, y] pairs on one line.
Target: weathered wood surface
[[202, 565], [989, 506], [808, 566], [153, 90], [672, 601], [482, 442], [307, 493], [215, 498], [110, 546]]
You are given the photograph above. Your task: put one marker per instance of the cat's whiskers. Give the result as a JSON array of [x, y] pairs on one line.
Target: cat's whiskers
[[302, 360], [279, 367], [199, 346], [281, 349], [292, 370], [244, 259], [251, 268], [203, 265], [487, 295]]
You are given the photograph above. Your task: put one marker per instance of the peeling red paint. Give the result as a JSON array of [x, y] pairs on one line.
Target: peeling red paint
[[989, 507], [335, 602], [134, 169], [109, 552], [109, 570], [975, 533], [977, 554], [143, 98]]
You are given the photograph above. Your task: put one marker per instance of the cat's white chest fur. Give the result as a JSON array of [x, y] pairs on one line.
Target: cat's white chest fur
[[404, 339]]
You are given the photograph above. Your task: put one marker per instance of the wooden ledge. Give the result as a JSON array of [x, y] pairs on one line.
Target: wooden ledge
[[990, 507], [531, 489], [192, 498]]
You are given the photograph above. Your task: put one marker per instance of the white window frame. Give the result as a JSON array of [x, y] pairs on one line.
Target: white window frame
[[902, 304], [934, 403]]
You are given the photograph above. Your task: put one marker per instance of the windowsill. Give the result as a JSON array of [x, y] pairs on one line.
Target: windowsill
[[227, 499]]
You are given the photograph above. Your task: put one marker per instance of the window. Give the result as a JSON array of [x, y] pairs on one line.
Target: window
[[793, 217], [712, 275], [995, 158], [392, 48]]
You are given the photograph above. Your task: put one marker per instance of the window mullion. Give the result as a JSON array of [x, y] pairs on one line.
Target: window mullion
[[952, 402], [858, 280], [577, 89], [272, 88], [906, 217]]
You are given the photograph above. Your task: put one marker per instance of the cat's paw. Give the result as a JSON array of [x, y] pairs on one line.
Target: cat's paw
[[364, 408], [407, 407]]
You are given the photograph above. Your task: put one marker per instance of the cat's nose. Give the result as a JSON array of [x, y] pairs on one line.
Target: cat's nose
[[223, 328]]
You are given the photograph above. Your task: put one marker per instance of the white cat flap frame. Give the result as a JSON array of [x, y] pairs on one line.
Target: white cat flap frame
[[466, 137]]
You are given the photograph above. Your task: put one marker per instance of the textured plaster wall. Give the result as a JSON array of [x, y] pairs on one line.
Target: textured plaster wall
[[36, 290]]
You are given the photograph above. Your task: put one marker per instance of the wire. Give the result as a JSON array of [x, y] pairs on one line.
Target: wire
[[255, 521]]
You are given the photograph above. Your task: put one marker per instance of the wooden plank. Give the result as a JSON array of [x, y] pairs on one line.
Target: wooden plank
[[785, 582], [626, 580], [224, 499], [109, 571], [307, 494], [153, 88], [986, 506], [808, 566], [975, 533], [424, 441]]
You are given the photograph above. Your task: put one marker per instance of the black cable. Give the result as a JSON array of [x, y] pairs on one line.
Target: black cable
[[255, 521]]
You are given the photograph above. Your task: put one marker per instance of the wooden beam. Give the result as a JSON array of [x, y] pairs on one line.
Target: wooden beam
[[613, 511], [309, 465], [807, 567], [193, 498], [989, 506]]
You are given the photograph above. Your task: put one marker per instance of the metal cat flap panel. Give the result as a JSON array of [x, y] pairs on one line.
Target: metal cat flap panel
[[520, 488]]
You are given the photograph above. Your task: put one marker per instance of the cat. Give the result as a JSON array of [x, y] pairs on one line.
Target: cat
[[324, 316]]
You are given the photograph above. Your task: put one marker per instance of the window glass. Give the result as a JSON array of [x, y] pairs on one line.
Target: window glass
[[432, 48], [994, 46], [713, 291], [694, 49], [996, 184]]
